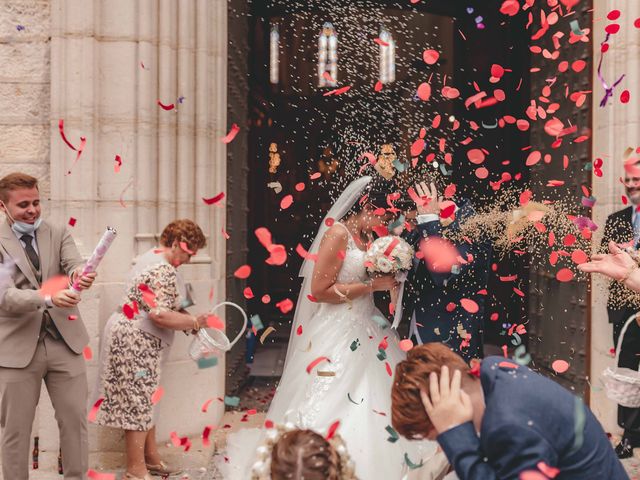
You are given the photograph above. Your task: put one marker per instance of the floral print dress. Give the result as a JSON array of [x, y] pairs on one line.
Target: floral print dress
[[131, 369]]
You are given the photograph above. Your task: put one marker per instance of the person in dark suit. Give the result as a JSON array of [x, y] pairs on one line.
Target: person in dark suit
[[623, 228], [433, 298], [526, 422]]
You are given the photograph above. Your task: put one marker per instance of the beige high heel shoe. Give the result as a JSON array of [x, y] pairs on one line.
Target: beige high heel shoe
[[163, 469], [129, 476]]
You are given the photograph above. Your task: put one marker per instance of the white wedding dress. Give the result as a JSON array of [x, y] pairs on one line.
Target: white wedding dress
[[354, 387]]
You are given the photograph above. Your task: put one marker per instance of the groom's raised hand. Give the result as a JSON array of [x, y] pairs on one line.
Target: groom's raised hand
[[446, 404], [429, 195]]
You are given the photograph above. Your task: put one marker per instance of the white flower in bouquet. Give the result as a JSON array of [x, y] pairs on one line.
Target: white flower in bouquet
[[389, 254]]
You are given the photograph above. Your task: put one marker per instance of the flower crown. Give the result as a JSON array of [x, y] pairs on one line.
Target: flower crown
[[261, 469]]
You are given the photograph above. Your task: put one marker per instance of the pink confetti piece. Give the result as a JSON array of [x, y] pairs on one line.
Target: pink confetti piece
[[406, 345], [157, 395], [242, 272], [118, 164], [469, 305], [205, 405], [93, 413], [430, 56], [87, 353], [315, 363], [286, 202], [285, 305], [551, 472], [232, 134], [560, 366], [93, 475], [564, 275], [205, 435]]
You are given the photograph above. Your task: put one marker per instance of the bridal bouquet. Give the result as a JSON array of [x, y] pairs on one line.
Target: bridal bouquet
[[389, 254]]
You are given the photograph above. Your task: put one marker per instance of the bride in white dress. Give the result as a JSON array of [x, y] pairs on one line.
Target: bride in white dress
[[340, 359]]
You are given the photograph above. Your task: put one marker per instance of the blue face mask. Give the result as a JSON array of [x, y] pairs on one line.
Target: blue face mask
[[22, 228]]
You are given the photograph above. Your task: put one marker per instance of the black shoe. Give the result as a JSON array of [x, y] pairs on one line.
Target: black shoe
[[624, 449]]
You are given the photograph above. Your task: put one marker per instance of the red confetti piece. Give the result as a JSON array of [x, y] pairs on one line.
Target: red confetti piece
[[213, 200], [167, 107], [417, 147], [332, 430], [248, 293], [53, 285], [64, 137], [93, 413], [315, 176], [388, 367], [507, 364], [518, 292], [157, 395], [424, 91], [72, 317], [87, 353], [430, 56], [228, 138], [406, 345], [72, 222], [285, 305], [205, 435], [564, 275], [185, 248], [314, 363], [213, 321], [637, 23], [378, 86], [205, 405], [93, 475], [510, 7], [242, 272], [532, 475], [338, 91], [265, 299], [299, 330], [560, 366], [579, 257], [300, 187], [286, 202], [476, 156], [469, 305], [381, 42], [147, 295], [625, 96], [551, 472], [118, 164], [439, 254], [447, 211]]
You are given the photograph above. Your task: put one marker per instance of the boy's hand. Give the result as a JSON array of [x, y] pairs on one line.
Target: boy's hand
[[446, 404]]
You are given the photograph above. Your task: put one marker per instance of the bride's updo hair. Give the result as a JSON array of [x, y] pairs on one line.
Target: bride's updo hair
[[304, 455], [373, 196]]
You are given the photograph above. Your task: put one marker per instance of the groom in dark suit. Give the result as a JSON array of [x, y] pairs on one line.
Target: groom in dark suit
[[623, 227], [446, 306]]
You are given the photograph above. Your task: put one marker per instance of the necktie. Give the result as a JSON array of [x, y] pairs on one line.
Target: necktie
[[31, 252]]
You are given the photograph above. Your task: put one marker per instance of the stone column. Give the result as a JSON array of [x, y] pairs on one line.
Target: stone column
[[112, 60], [615, 128]]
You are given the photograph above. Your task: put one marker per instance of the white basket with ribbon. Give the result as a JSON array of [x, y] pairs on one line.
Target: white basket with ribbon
[[623, 384], [213, 342]]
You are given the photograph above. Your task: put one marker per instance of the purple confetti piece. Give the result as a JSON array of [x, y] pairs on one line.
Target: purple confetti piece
[[607, 89]]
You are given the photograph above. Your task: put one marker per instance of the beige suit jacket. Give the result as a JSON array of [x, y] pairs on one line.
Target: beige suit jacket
[[22, 307]]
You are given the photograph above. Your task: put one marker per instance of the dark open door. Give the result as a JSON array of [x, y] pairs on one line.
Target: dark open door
[[559, 311]]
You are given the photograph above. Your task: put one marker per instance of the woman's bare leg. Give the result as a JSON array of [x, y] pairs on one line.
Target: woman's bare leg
[[151, 454], [135, 442]]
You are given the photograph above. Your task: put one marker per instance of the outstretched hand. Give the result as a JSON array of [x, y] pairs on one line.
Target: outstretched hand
[[430, 195], [616, 264], [446, 404]]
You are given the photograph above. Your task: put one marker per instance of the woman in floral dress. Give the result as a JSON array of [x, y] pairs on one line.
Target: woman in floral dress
[[134, 340]]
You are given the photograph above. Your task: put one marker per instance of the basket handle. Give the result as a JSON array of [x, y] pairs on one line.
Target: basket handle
[[632, 318], [244, 315]]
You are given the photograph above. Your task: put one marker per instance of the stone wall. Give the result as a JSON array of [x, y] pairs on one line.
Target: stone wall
[[615, 127], [25, 52], [102, 65]]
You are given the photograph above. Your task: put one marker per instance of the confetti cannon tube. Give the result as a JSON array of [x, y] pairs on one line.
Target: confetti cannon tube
[[97, 255]]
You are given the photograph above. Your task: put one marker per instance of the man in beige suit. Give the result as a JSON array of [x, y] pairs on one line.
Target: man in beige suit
[[41, 336]]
